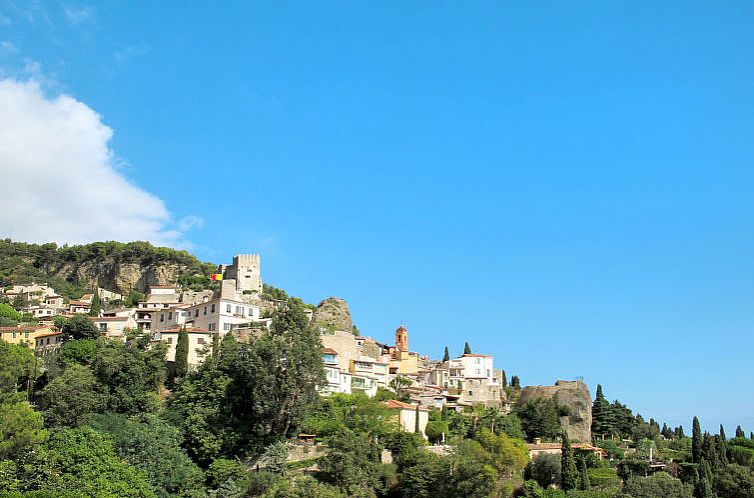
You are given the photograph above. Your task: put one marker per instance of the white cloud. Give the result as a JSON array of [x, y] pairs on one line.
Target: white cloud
[[59, 176], [78, 14]]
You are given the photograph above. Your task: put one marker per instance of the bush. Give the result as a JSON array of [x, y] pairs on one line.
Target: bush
[[435, 431], [545, 469]]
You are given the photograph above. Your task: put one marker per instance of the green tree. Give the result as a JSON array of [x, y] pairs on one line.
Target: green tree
[[507, 455], [734, 481], [80, 352], [740, 432], [20, 428], [583, 475], [96, 305], [275, 379], [658, 485], [446, 356], [515, 382], [435, 430], [7, 311], [130, 375], [79, 327], [181, 354], [151, 446], [352, 463], [569, 476], [539, 418], [72, 395], [696, 441], [545, 469], [602, 415], [466, 348], [82, 462], [18, 369]]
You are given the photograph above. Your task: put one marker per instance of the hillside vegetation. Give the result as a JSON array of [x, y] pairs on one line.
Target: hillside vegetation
[[69, 268]]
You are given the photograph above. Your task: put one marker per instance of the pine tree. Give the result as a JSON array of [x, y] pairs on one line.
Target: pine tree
[[180, 367], [466, 348], [696, 442], [584, 476], [740, 432], [446, 356], [679, 432], [96, 305], [569, 476]]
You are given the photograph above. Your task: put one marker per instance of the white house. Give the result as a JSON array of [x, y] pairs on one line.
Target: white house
[[472, 366], [220, 315]]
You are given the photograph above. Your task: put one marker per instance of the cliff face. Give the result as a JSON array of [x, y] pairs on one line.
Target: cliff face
[[120, 277], [573, 394], [333, 313]]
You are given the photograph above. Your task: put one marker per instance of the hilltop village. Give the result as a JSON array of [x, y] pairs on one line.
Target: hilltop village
[[353, 363], [212, 383]]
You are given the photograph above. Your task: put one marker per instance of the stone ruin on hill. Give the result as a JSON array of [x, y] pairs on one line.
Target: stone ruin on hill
[[573, 394]]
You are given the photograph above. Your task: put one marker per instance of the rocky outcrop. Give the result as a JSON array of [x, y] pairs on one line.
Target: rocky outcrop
[[121, 277], [333, 314], [572, 394]]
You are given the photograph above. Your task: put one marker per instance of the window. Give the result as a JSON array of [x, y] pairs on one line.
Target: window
[[211, 327], [26, 335], [471, 393], [477, 361], [103, 327], [170, 340], [170, 315], [200, 340], [227, 326], [239, 310], [227, 308], [14, 335], [212, 309], [196, 312], [205, 310], [162, 317]]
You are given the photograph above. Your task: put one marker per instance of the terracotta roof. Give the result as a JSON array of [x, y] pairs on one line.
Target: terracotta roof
[[79, 303], [190, 330], [108, 318], [328, 351], [394, 403], [48, 335], [475, 355]]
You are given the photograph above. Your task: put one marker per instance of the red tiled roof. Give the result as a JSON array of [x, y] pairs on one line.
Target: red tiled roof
[[23, 329], [476, 355], [108, 318], [48, 335], [190, 330], [394, 403], [328, 351]]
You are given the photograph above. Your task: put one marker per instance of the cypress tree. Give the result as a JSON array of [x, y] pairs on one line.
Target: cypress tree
[[584, 484], [417, 426], [96, 305], [602, 414], [569, 476], [515, 382], [703, 488], [740, 432], [446, 356], [696, 442], [679, 432], [180, 367], [466, 348], [722, 433], [504, 379], [751, 436]]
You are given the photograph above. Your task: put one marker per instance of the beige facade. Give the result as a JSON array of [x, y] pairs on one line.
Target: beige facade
[[24, 335], [114, 327], [200, 344], [406, 416]]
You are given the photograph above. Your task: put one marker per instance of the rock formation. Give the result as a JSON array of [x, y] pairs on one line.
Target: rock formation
[[573, 394], [333, 314]]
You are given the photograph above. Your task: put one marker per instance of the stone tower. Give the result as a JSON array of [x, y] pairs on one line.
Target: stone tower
[[401, 338], [246, 271]]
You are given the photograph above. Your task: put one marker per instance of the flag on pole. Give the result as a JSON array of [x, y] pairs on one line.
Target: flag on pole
[[216, 276]]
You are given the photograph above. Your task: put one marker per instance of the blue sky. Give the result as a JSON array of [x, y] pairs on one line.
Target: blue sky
[[566, 185]]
